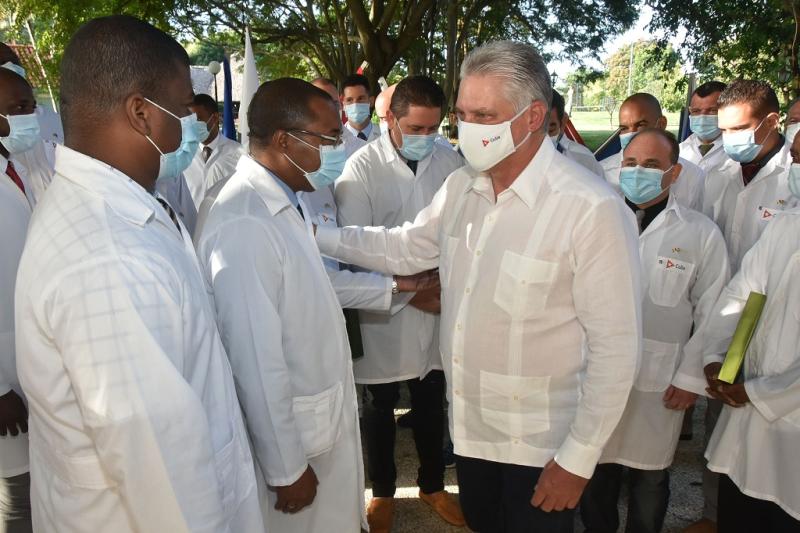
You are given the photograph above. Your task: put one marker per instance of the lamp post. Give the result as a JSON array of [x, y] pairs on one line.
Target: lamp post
[[553, 79], [213, 68]]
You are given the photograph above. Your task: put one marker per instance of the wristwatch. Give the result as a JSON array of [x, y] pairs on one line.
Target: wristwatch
[[395, 287]]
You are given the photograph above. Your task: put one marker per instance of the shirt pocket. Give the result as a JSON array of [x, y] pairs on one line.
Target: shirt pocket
[[447, 255], [516, 406], [657, 367], [523, 284], [669, 281], [317, 419]]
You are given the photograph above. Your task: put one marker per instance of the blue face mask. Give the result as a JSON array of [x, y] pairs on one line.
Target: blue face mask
[[13, 67], [416, 147], [331, 164], [625, 138], [192, 131], [704, 126], [23, 133], [741, 146], [794, 180], [641, 185], [357, 113]]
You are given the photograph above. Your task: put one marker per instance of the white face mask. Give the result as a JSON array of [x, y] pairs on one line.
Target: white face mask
[[791, 131], [486, 145]]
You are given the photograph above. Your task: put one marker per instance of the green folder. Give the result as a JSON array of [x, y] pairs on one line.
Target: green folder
[[742, 336]]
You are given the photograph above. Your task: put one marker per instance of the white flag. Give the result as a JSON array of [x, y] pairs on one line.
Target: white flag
[[250, 85]]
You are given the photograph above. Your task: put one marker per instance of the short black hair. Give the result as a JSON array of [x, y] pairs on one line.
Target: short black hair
[[355, 80], [416, 90], [708, 88], [8, 54], [282, 104], [206, 102], [758, 94], [558, 104], [675, 147], [110, 58]]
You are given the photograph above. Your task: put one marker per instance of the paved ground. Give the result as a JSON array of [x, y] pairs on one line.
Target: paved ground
[[686, 501]]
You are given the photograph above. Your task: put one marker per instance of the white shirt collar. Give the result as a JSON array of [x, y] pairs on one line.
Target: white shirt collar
[[215, 143]]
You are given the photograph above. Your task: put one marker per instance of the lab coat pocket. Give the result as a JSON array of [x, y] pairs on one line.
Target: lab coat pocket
[[317, 418], [523, 284], [658, 365], [447, 254], [669, 281], [516, 406]]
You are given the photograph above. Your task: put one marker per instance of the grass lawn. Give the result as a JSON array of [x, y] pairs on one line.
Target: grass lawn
[[595, 128]]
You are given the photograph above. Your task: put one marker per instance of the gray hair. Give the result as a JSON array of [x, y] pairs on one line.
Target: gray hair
[[521, 66]]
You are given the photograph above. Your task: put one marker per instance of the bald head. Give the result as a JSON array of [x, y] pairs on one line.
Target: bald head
[[326, 85], [384, 101], [640, 111]]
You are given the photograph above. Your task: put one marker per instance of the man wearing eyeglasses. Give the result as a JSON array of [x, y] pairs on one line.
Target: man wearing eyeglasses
[[279, 316]]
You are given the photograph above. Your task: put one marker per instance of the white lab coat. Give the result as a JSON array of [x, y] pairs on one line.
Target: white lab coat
[[351, 143], [684, 267], [134, 420], [581, 155], [756, 445], [714, 158], [377, 188], [688, 190], [176, 192], [15, 212], [39, 167], [356, 290], [202, 175], [742, 213], [284, 331], [548, 266]]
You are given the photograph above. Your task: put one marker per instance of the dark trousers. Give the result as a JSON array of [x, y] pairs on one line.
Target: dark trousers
[[647, 504], [15, 504], [496, 498], [740, 513], [379, 433]]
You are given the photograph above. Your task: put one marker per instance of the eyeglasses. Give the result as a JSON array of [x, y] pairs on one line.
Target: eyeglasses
[[336, 141]]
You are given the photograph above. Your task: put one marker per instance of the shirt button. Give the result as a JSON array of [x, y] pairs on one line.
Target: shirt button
[[458, 327], [458, 393], [479, 253], [455, 360], [523, 282], [516, 398], [468, 290]]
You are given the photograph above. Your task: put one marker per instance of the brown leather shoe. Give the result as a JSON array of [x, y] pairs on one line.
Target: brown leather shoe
[[703, 525], [380, 515], [445, 506]]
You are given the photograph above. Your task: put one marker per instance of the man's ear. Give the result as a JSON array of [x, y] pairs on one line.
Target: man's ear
[[138, 113], [676, 171], [661, 123], [280, 140], [539, 116]]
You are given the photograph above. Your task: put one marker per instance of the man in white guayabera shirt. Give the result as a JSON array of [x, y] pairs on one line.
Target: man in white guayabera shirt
[[540, 325]]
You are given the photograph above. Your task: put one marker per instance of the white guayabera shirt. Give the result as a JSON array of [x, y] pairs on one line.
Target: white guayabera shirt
[[684, 269], [134, 419], [756, 445], [540, 325], [688, 190]]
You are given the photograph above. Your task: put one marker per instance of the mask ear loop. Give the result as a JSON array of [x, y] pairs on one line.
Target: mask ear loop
[[298, 167]]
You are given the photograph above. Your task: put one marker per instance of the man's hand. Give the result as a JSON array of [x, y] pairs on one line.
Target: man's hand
[[423, 281], [734, 395], [558, 489], [299, 494], [429, 301], [12, 414], [678, 399]]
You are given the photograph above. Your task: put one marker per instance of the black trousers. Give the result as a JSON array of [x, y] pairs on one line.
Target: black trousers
[[647, 505], [379, 433], [740, 513], [496, 498]]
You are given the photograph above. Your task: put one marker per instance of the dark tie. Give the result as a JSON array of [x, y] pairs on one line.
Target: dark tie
[[300, 210], [705, 148], [206, 153], [171, 214], [749, 172], [413, 166], [362, 136], [15, 177]]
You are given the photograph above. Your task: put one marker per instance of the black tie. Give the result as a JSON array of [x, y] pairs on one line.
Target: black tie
[[206, 153], [413, 166], [300, 210], [362, 136], [171, 214]]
